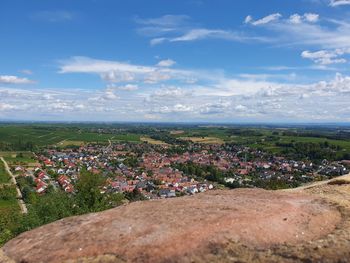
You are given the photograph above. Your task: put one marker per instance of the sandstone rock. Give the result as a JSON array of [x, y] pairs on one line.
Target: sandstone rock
[[245, 224]]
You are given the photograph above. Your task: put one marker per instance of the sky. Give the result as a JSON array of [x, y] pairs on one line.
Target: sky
[[175, 61]]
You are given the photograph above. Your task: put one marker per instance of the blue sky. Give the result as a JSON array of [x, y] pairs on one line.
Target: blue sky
[[195, 60]]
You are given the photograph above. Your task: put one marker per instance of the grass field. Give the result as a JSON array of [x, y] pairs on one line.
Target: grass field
[[20, 157], [4, 176], [10, 202], [8, 199]]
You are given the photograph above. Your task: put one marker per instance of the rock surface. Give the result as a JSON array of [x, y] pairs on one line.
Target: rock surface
[[238, 225]]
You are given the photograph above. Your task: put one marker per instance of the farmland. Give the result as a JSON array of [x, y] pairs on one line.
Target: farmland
[[206, 140], [27, 137], [273, 140], [22, 158], [152, 141], [277, 140]]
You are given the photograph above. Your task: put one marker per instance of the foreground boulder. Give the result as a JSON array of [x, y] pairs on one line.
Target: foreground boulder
[[244, 225]]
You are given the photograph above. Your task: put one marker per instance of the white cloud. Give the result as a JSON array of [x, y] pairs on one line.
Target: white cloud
[[240, 108], [172, 28], [331, 37], [110, 95], [307, 17], [203, 33], [160, 26], [225, 100], [177, 108], [166, 63], [265, 20], [6, 107], [7, 79], [157, 41], [182, 108], [89, 65], [169, 94], [326, 57], [118, 76], [331, 34], [157, 76], [248, 19], [115, 71], [297, 30], [127, 87], [290, 76], [215, 108], [164, 21], [311, 17], [339, 2], [295, 19]]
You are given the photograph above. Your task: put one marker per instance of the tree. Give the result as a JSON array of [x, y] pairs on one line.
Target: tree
[[89, 197], [51, 207], [26, 190]]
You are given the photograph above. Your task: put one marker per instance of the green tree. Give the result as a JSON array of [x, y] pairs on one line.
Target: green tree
[[52, 206], [89, 197]]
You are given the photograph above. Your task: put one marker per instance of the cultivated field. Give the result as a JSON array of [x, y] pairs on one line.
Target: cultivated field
[[152, 141], [31, 137], [43, 135], [206, 140], [25, 158]]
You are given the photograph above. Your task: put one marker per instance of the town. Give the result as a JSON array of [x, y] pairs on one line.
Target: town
[[157, 171]]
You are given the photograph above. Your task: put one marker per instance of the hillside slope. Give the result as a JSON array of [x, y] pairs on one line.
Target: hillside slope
[[306, 224]]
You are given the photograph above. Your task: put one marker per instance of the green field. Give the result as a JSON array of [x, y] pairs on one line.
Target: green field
[[20, 157], [6, 205], [9, 209], [23, 136], [4, 176], [222, 134], [19, 137]]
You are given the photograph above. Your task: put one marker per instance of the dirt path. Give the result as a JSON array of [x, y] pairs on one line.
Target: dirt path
[[21, 203]]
